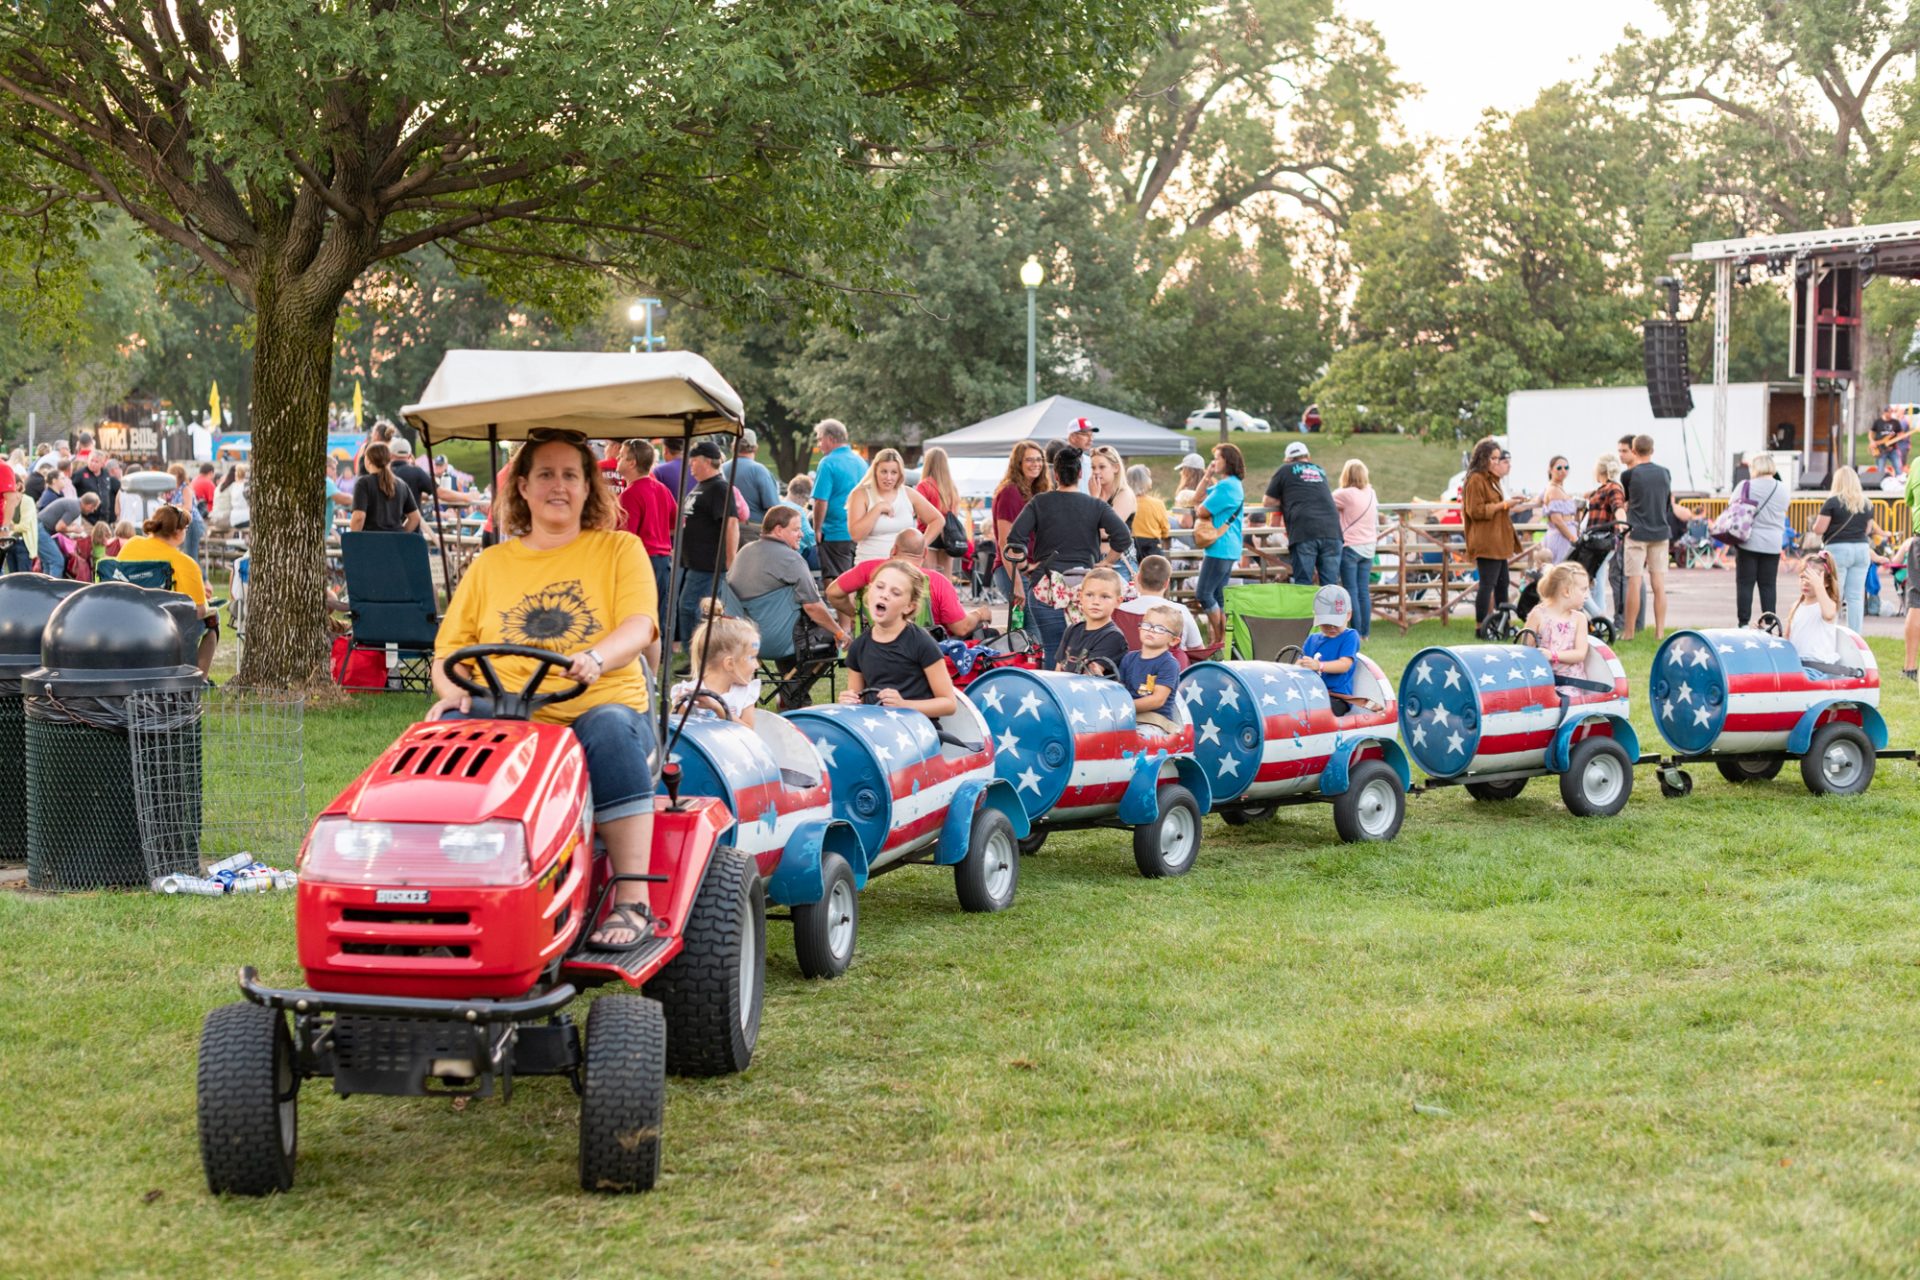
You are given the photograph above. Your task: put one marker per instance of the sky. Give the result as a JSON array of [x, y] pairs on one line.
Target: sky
[[1494, 53]]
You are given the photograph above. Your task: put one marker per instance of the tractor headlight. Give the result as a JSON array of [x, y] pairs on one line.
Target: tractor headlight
[[342, 851]]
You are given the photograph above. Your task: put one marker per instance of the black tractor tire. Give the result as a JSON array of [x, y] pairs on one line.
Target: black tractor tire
[[1170, 844], [1250, 814], [1839, 760], [1373, 806], [824, 932], [1599, 778], [712, 992], [1741, 769], [623, 1094], [1490, 791], [248, 1091], [988, 877], [1031, 843]]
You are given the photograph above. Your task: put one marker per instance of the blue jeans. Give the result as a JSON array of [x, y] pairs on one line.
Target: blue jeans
[[1356, 572], [1316, 562], [695, 586], [1851, 559], [1052, 625], [53, 561], [1209, 589], [16, 559], [621, 747], [662, 578], [196, 530]]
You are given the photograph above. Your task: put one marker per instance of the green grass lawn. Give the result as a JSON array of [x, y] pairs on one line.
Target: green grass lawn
[[1678, 1042]]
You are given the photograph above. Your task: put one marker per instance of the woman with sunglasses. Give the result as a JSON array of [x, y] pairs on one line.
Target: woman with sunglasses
[[1558, 506], [567, 578], [1487, 514]]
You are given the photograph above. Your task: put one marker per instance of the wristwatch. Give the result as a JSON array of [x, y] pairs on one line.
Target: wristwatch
[[598, 661]]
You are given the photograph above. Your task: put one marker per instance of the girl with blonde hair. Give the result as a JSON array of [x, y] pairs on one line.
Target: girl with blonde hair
[[1847, 531], [894, 659], [1108, 482], [725, 671], [882, 507], [1559, 621]]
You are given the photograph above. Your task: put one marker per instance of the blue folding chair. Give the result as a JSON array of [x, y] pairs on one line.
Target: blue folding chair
[[154, 574], [391, 601]]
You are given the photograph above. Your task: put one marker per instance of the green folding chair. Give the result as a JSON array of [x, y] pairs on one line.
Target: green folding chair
[[1265, 617]]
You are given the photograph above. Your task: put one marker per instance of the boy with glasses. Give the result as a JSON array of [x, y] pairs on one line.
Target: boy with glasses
[[1151, 673]]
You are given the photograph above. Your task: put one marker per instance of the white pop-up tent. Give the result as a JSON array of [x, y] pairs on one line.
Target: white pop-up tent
[[1051, 419], [607, 395]]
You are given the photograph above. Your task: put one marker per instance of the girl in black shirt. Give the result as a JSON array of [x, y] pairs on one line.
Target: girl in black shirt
[[894, 657]]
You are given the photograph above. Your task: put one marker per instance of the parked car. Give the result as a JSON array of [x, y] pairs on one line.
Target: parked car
[[1209, 420]]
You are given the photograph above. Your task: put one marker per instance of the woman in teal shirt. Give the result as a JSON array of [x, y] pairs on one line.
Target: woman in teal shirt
[[1221, 510]]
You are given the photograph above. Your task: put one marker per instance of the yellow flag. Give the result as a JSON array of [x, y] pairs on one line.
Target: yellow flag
[[356, 403], [213, 403]]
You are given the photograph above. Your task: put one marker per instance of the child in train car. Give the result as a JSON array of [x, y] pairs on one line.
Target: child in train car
[[1333, 650], [726, 657], [1559, 621], [1905, 564], [1151, 673], [1094, 645], [1812, 624], [894, 662]]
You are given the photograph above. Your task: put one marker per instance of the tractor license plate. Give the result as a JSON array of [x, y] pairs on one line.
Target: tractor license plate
[[401, 897]]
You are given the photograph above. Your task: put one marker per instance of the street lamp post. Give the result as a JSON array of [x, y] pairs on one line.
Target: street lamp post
[[641, 313], [1031, 275]]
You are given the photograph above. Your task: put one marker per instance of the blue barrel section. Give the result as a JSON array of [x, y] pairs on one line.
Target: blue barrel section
[[1478, 708], [739, 767], [1258, 722], [1036, 718], [1735, 692], [859, 746]]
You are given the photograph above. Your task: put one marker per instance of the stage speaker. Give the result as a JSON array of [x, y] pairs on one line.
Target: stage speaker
[[1665, 343]]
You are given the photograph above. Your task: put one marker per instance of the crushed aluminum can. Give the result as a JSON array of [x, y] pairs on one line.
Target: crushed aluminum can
[[190, 885], [235, 863]]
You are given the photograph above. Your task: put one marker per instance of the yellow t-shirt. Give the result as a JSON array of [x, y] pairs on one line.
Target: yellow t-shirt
[[186, 573], [1150, 518], [566, 600]]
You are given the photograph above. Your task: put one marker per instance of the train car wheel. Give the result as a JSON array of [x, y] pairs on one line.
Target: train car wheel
[[1031, 844], [1373, 805], [1675, 783], [824, 932], [1750, 768], [1485, 791], [985, 880], [1839, 760], [1249, 815], [1168, 845], [1598, 780]]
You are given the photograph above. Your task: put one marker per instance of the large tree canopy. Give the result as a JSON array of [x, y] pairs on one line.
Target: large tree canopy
[[764, 154]]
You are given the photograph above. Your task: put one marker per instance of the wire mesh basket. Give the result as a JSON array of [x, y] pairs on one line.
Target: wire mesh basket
[[216, 774]]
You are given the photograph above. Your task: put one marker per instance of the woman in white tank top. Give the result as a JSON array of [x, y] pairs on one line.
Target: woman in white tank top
[[882, 507]]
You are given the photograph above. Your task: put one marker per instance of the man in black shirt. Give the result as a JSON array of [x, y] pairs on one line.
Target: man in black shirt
[[94, 478], [709, 534], [1649, 489], [426, 491], [1300, 492]]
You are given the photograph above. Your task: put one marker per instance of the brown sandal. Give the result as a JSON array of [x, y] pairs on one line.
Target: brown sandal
[[630, 916]]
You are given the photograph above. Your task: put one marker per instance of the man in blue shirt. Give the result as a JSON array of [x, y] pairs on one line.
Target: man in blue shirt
[[841, 470], [752, 481]]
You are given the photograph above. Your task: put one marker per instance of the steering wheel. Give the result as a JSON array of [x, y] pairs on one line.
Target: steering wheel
[[505, 705], [1770, 623], [699, 696], [1527, 636], [1286, 649]]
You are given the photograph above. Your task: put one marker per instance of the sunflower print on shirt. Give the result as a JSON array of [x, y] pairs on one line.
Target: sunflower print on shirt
[[554, 617]]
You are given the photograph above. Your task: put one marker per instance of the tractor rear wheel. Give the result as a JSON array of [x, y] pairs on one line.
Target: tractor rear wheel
[[1507, 790], [1168, 845], [711, 993], [1750, 768], [248, 1101], [985, 880], [1598, 780], [824, 931], [1373, 805], [1839, 760], [623, 1094]]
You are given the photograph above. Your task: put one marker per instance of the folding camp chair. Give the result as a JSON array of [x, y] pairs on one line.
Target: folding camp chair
[[792, 658], [1264, 618], [391, 601], [154, 574]]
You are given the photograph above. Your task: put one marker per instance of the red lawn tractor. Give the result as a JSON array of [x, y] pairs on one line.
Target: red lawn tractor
[[445, 902]]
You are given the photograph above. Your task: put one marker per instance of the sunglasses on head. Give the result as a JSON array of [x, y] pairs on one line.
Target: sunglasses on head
[[547, 435]]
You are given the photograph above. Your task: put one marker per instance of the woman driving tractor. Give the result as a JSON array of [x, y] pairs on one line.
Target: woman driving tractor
[[567, 580]]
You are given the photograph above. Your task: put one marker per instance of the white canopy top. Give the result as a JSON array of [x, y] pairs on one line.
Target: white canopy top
[[606, 394], [1050, 419]]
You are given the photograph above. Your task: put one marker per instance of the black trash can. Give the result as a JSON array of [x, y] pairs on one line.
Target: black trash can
[[103, 644], [27, 600]]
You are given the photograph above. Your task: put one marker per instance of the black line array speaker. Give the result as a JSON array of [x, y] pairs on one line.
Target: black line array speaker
[[1668, 389]]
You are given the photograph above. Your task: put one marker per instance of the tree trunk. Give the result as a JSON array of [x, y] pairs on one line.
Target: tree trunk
[[292, 366]]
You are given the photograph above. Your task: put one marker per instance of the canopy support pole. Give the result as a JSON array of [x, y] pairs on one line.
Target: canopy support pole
[[439, 515]]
